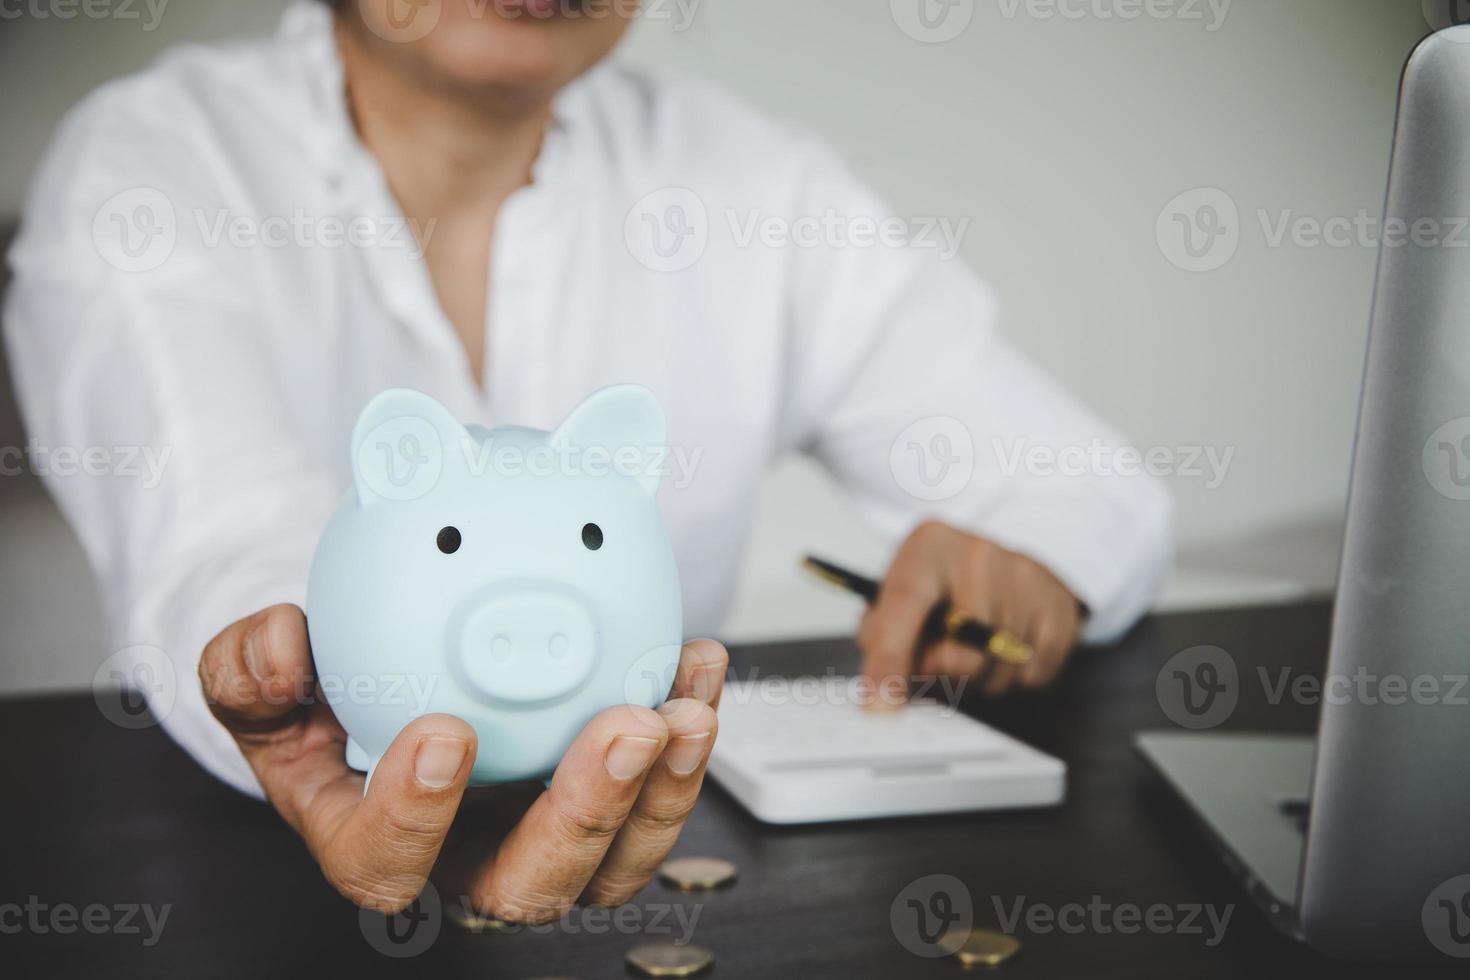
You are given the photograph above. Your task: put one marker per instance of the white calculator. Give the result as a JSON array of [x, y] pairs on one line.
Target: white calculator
[[804, 750]]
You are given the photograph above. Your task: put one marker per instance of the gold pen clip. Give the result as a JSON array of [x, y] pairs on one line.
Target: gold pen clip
[[1010, 649]]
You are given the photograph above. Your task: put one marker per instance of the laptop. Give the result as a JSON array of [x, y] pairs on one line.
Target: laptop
[[1377, 866]]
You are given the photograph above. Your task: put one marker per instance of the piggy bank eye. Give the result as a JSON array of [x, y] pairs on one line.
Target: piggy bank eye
[[448, 540], [592, 536]]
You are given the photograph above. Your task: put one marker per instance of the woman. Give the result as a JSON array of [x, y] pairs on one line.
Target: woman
[[227, 255]]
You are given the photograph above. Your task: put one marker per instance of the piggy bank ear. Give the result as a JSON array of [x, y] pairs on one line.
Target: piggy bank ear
[[400, 446], [627, 422]]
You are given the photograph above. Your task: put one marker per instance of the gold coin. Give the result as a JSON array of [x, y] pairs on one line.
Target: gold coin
[[980, 947], [697, 874], [471, 921], [668, 960]]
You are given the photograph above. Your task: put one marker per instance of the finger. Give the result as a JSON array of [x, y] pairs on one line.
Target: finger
[[1049, 625], [548, 858], [668, 796], [981, 593], [377, 849], [1020, 609], [976, 588], [701, 672], [256, 675], [950, 658], [257, 671], [1055, 636], [1000, 679], [889, 633]]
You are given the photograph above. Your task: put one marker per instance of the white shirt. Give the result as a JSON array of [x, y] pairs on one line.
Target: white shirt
[[182, 287]]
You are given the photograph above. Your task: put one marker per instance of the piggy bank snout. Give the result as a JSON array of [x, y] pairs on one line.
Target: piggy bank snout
[[525, 644]]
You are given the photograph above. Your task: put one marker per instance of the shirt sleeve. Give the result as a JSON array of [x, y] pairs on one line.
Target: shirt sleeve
[[149, 356], [907, 392]]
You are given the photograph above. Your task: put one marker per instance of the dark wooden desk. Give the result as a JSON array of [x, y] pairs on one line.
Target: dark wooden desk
[[96, 814]]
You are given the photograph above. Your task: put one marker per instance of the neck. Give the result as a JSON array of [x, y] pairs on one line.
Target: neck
[[443, 150]]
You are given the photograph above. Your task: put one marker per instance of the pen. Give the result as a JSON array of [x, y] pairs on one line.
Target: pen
[[1001, 644]]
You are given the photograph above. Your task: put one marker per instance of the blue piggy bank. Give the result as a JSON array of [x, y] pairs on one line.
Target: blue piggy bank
[[517, 579]]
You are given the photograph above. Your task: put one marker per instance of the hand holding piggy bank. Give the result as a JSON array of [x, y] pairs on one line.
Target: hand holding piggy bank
[[520, 580]]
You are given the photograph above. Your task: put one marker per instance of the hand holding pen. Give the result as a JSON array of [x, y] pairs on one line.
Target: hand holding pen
[[958, 605]]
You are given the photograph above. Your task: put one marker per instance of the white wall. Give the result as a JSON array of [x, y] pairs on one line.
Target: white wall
[[1061, 138]]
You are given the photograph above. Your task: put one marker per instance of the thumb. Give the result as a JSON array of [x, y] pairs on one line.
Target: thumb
[[380, 853]]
